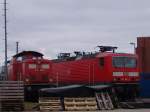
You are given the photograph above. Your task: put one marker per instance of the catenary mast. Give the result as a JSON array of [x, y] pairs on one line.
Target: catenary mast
[[5, 27]]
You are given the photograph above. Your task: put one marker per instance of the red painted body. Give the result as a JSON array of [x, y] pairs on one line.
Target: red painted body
[[89, 70], [33, 69], [30, 67]]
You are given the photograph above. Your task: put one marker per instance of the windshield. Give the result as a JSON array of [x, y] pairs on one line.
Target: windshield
[[128, 62]]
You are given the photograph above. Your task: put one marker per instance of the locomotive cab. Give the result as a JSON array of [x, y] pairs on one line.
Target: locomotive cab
[[122, 67], [119, 68], [125, 68], [30, 67]]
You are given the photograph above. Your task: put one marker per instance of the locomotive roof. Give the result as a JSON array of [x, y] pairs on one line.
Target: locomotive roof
[[96, 54], [114, 54], [34, 53]]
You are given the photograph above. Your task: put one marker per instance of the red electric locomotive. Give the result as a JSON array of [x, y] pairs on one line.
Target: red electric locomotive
[[104, 67], [101, 67]]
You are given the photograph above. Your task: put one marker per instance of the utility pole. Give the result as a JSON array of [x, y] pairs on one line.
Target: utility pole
[[134, 46], [17, 47], [5, 23]]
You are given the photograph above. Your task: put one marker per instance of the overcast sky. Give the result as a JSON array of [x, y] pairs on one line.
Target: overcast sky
[[53, 26]]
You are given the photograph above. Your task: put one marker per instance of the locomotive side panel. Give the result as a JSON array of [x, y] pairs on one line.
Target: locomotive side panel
[[15, 71], [104, 68], [86, 71]]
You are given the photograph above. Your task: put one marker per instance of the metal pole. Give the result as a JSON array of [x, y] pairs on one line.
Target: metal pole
[[17, 47], [134, 49], [132, 43], [5, 21]]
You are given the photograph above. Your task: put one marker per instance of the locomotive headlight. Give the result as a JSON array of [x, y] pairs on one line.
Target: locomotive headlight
[[50, 80], [27, 80], [133, 74], [117, 73]]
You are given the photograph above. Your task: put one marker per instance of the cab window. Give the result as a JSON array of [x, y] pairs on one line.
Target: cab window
[[45, 66], [128, 62], [32, 66], [19, 58]]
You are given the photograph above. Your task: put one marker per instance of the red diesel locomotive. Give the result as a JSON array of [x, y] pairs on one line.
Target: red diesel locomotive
[[33, 69], [30, 67]]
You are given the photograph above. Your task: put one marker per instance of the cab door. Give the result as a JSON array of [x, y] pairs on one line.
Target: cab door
[[44, 69], [29, 71], [104, 69]]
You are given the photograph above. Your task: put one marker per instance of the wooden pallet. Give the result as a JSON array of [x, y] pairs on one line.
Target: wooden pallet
[[104, 101], [80, 104], [50, 103], [11, 95], [12, 105]]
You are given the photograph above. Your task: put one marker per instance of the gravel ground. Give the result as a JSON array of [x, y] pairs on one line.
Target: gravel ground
[[116, 110], [127, 110], [29, 106]]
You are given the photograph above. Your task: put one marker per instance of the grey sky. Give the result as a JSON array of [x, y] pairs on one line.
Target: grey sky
[[53, 26]]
